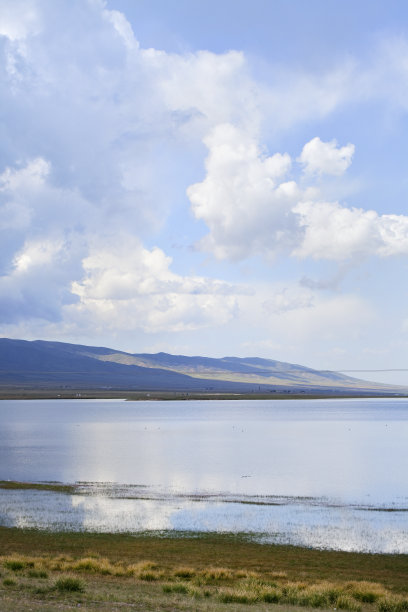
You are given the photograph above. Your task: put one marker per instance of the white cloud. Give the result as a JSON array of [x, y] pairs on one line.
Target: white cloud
[[252, 208], [393, 230], [127, 286], [32, 209], [36, 254], [122, 27], [246, 198], [332, 231], [319, 157], [37, 285], [25, 179], [109, 115], [72, 259], [204, 87]]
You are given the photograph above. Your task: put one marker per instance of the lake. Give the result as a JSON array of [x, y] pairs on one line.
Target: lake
[[320, 473]]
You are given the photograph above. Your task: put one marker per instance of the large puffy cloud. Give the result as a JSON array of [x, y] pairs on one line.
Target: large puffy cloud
[[65, 257], [119, 286], [127, 286], [78, 91], [246, 198], [91, 123], [251, 206], [332, 231]]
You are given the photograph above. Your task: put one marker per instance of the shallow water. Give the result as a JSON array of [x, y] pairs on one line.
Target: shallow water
[[326, 473]]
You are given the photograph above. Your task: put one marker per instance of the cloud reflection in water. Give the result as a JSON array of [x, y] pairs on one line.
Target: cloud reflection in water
[[308, 522]]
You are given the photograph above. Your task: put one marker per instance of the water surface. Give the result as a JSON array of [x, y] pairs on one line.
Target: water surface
[[328, 473]]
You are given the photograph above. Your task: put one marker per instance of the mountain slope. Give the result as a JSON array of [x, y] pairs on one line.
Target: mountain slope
[[58, 364]]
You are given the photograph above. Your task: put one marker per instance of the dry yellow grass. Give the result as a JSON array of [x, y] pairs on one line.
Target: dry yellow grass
[[219, 584]]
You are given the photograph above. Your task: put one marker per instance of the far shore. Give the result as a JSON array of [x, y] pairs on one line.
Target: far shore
[[9, 393]]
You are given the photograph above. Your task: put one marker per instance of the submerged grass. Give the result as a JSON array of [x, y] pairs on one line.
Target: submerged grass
[[56, 487]]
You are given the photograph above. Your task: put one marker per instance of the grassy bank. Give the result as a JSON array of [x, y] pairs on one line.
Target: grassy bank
[[48, 571]]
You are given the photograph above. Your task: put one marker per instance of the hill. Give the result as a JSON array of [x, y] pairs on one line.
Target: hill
[[40, 364]]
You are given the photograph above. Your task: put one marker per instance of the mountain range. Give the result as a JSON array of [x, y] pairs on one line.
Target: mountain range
[[52, 365]]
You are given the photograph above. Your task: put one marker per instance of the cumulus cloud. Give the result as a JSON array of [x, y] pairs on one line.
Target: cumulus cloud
[[97, 164], [319, 157], [65, 257], [128, 286], [332, 231], [246, 197], [251, 206]]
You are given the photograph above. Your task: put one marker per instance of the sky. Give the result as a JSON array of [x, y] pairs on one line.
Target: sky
[[218, 177]]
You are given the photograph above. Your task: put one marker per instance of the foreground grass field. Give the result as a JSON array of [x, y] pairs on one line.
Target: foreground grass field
[[45, 571]]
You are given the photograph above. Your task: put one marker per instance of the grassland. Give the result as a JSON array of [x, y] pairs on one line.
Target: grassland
[[53, 571]]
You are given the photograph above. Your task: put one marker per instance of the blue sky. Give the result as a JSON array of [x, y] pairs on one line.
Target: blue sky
[[214, 178]]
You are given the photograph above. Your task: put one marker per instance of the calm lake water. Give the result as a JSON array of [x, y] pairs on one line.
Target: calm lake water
[[323, 473]]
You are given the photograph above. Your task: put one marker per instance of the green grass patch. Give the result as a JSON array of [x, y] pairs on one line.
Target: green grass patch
[[15, 565], [70, 584], [33, 573], [236, 597]]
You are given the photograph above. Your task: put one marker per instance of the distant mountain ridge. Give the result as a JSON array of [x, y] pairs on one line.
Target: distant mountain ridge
[[43, 364]]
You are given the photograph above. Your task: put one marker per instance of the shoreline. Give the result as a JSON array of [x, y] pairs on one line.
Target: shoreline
[[199, 548], [82, 394]]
